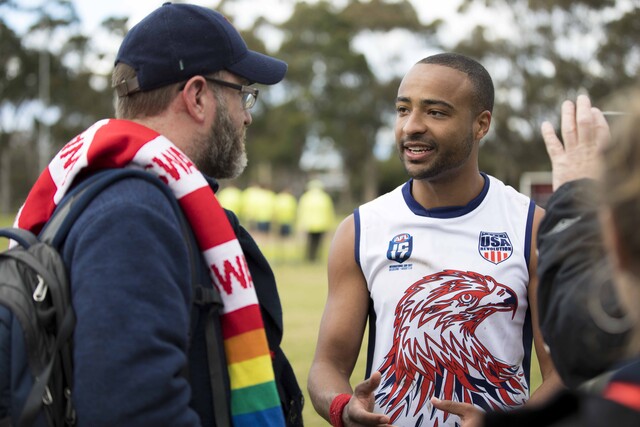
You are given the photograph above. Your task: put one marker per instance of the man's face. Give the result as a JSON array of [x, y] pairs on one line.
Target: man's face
[[222, 152], [435, 122]]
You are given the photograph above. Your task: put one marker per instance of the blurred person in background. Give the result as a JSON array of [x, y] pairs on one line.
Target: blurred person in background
[[230, 197], [263, 203], [250, 199], [285, 211], [316, 216]]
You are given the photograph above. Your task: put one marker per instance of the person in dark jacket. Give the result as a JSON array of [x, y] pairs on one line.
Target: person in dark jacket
[[141, 354], [589, 247]]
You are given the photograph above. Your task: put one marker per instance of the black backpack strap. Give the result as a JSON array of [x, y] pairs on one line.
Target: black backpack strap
[[210, 299], [23, 237]]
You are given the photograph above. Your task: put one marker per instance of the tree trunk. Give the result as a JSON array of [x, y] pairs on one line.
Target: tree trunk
[[5, 178]]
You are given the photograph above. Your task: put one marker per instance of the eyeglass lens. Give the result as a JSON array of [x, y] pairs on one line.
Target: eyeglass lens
[[248, 100]]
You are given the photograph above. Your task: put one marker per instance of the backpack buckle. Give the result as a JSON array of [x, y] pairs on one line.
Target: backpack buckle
[[41, 290], [47, 398]]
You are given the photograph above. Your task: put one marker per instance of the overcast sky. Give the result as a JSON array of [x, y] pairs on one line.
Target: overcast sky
[[381, 50], [245, 11]]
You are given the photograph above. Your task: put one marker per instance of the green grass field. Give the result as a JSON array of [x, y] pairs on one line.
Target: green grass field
[[5, 221], [303, 291]]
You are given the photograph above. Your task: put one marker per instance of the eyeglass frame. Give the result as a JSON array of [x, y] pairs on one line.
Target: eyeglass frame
[[248, 93]]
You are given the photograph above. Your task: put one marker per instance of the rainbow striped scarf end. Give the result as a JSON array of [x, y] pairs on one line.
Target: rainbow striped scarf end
[[257, 405]]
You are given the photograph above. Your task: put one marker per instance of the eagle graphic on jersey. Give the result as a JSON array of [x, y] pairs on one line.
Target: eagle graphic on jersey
[[442, 356]]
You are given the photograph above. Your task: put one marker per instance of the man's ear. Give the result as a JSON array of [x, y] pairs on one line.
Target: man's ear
[[482, 124], [194, 98]]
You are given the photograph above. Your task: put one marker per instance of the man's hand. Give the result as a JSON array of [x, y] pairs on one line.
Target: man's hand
[[470, 415], [358, 411], [584, 129]]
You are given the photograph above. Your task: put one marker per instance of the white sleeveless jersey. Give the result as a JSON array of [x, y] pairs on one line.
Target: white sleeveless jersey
[[449, 293]]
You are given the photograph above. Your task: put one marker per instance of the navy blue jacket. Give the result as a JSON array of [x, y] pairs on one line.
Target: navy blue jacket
[[134, 363], [128, 266]]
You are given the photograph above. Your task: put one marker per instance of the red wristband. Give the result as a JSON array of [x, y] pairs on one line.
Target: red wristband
[[337, 408]]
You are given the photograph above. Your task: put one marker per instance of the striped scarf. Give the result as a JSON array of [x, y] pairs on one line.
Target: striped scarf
[[120, 143]]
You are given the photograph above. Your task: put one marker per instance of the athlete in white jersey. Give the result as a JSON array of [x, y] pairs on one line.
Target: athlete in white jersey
[[445, 264], [450, 308]]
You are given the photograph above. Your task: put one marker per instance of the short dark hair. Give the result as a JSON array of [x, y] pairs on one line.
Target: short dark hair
[[140, 104], [478, 75]]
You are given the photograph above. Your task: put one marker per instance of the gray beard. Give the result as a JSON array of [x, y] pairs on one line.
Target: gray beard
[[223, 154]]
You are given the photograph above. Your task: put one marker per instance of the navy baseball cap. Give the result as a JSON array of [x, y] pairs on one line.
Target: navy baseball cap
[[178, 41]]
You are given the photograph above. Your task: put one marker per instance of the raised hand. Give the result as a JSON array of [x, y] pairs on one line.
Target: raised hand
[[584, 129]]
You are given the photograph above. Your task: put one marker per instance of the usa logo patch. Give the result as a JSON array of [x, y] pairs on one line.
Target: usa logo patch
[[400, 247], [495, 247]]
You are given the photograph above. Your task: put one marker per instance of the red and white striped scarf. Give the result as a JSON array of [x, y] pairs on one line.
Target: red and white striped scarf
[[120, 143]]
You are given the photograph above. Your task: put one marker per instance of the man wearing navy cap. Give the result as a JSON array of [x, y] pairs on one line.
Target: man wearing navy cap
[[165, 52], [143, 356]]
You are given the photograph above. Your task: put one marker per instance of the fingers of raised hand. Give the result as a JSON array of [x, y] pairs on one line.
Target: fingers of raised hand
[[568, 124], [602, 133], [551, 140], [585, 121]]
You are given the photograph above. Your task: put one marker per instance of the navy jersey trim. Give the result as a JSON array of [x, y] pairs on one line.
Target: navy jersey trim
[[447, 211], [527, 344], [527, 333], [371, 342], [528, 232], [356, 224]]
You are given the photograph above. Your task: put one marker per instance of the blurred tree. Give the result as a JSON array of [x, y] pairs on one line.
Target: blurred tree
[[547, 51], [16, 87], [543, 52], [48, 91], [330, 92], [275, 139]]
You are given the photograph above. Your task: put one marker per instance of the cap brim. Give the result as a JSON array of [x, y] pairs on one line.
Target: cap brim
[[259, 68]]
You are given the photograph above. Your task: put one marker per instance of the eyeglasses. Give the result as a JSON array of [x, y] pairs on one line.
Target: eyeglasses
[[249, 94]]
